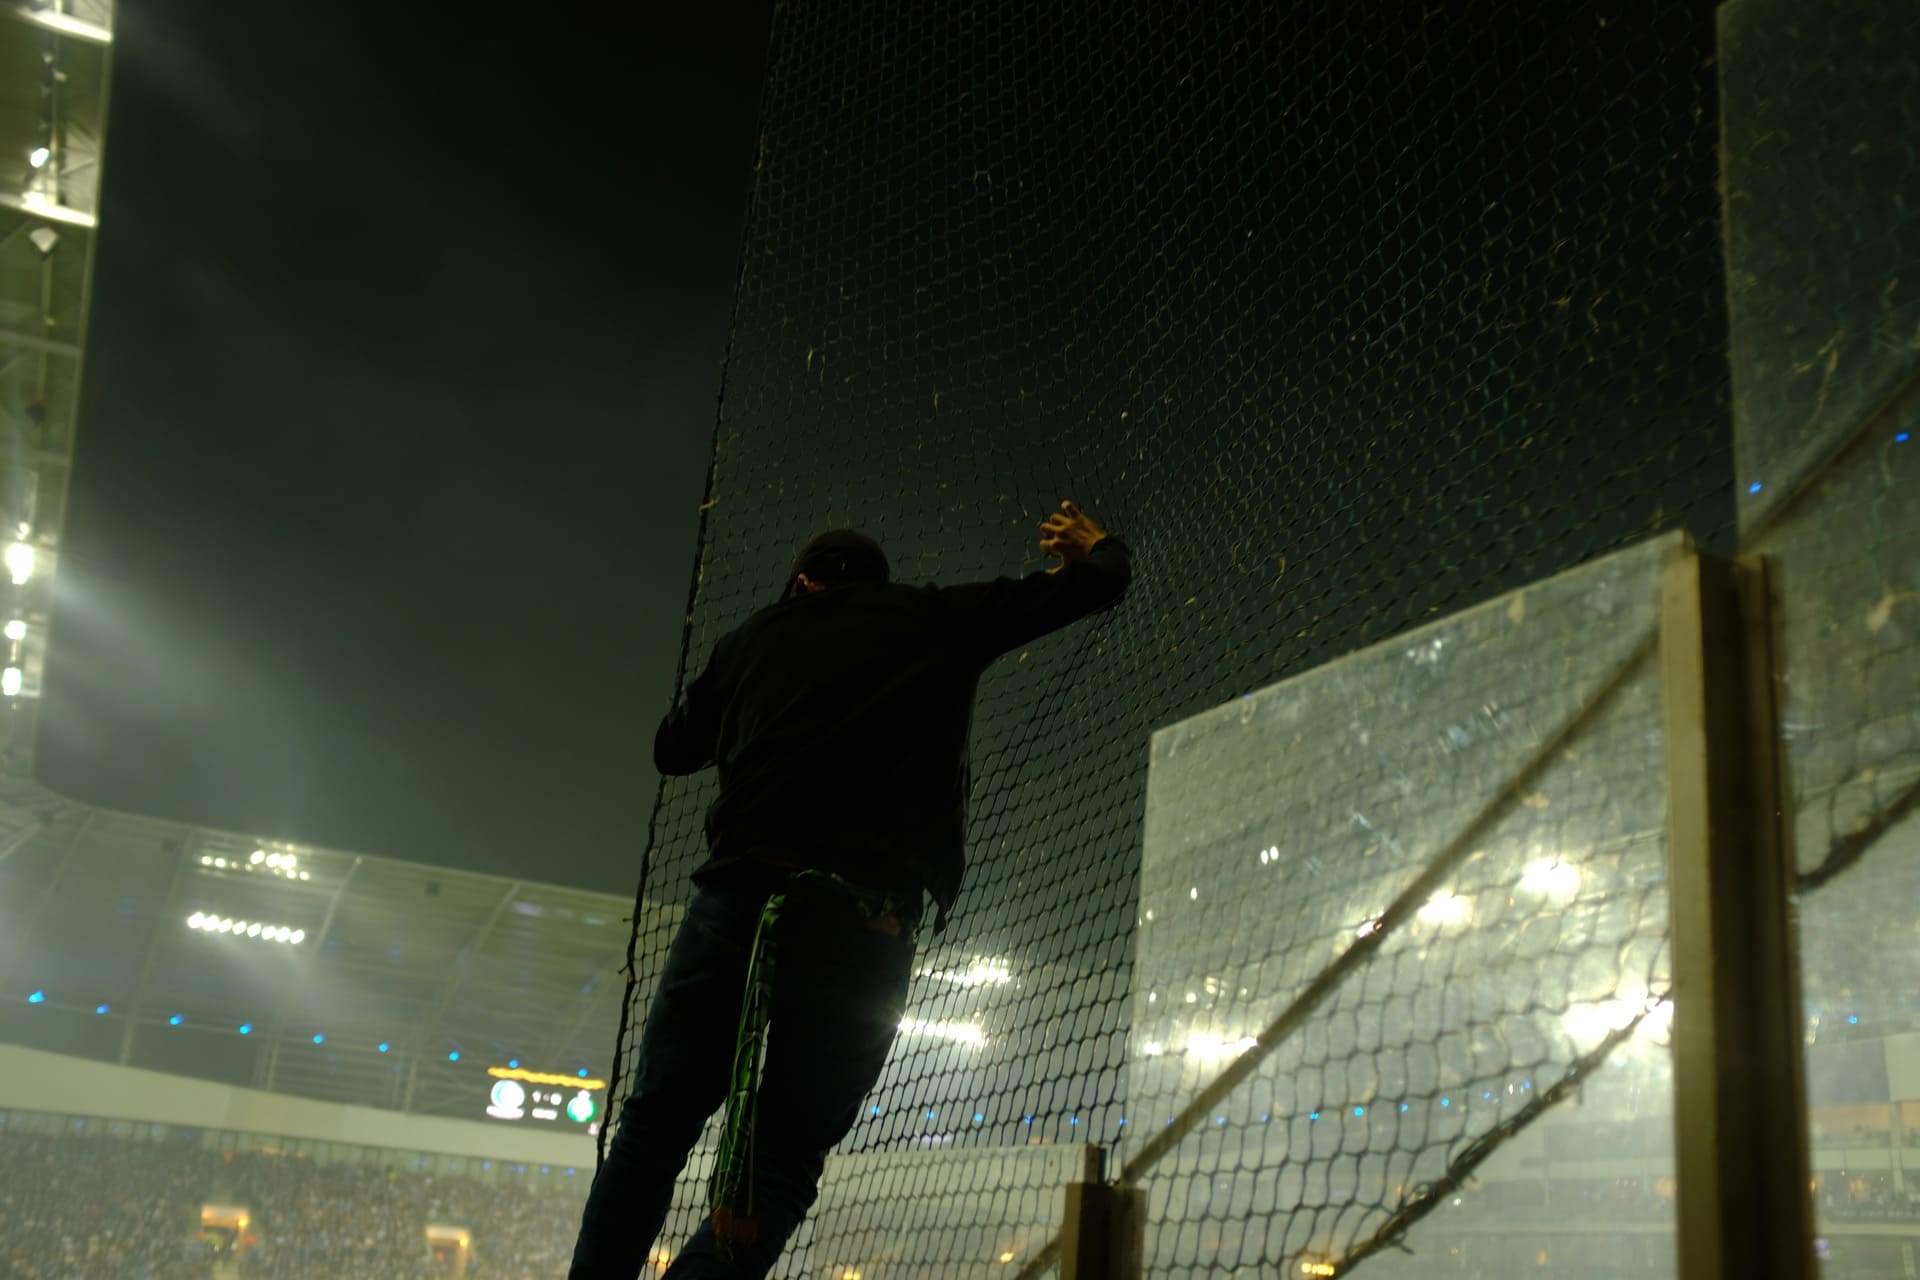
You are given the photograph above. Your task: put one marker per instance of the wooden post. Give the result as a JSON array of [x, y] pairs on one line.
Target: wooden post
[[1739, 1106]]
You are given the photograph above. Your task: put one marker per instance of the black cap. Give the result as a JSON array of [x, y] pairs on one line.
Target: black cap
[[840, 556]]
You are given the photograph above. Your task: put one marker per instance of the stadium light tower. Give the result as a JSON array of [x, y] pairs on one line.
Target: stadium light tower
[[49, 222]]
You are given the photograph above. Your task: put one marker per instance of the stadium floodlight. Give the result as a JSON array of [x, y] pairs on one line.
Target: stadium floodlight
[[39, 156], [195, 920], [1206, 1047], [259, 856], [1551, 878], [299, 936], [11, 681], [20, 558], [962, 1032], [1446, 908], [17, 629]]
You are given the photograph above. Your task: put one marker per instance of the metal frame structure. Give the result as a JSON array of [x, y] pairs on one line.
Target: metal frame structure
[[1739, 1100], [56, 61]]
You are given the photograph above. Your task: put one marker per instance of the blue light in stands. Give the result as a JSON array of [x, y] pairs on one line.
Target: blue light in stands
[[1359, 1111], [246, 1028], [1073, 1119], [1028, 1120], [583, 1073], [38, 997], [99, 1008], [1754, 487], [1903, 437], [1403, 1106], [874, 1110], [1123, 1119], [319, 1037], [1313, 1115], [980, 1119], [487, 1165], [512, 1063], [1853, 1019], [384, 1046], [1446, 1102], [175, 1020], [454, 1056]]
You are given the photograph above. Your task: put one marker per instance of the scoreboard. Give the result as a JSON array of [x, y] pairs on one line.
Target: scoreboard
[[516, 1094]]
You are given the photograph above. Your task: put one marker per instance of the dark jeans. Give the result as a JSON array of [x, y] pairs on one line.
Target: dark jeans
[[838, 994]]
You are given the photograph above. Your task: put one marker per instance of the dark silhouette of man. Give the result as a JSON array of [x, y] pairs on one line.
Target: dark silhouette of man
[[838, 718]]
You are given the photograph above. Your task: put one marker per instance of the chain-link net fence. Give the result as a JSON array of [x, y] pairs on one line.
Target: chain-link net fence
[[1823, 113], [1394, 913], [1346, 317]]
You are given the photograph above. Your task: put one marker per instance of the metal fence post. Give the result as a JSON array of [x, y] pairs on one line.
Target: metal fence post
[[1739, 1106], [1101, 1236]]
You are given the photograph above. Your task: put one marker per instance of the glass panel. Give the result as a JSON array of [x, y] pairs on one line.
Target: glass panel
[[1518, 1013]]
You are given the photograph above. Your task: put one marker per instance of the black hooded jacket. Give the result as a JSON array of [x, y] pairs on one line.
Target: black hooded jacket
[[839, 720]]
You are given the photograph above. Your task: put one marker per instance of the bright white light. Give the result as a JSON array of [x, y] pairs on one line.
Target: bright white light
[[20, 560], [1590, 1023], [961, 1032], [17, 629], [1551, 877], [305, 875], [1194, 893], [195, 920], [1212, 1048], [11, 680], [39, 156], [253, 930], [220, 862], [205, 860], [259, 856], [1152, 1049], [1263, 857], [983, 973], [1446, 908], [1368, 928], [299, 936]]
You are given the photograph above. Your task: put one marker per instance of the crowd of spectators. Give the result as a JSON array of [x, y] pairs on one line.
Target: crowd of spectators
[[83, 1207], [74, 1210]]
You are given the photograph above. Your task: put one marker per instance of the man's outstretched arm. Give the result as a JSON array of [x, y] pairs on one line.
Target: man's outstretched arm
[[1093, 575]]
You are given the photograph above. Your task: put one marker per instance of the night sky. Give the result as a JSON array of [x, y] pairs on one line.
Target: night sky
[[400, 383]]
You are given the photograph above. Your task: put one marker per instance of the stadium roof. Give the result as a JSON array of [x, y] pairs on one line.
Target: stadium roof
[[309, 971]]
